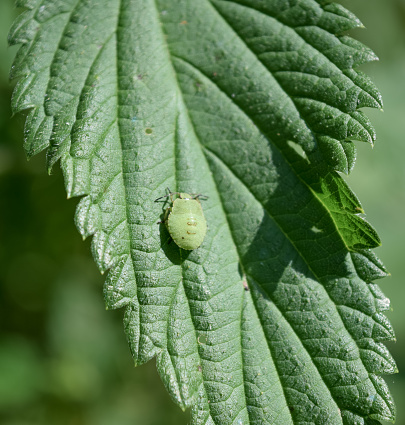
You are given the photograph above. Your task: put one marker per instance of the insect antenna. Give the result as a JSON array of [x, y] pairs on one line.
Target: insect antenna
[[200, 195], [165, 196], [169, 195]]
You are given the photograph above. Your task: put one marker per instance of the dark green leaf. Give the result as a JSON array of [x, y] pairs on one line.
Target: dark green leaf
[[275, 319]]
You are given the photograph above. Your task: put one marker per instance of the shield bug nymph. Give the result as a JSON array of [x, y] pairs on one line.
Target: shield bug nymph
[[185, 219]]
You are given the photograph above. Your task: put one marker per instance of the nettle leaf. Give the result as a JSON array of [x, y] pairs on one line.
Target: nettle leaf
[[275, 319]]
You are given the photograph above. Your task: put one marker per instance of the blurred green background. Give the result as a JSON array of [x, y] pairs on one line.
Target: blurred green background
[[63, 358]]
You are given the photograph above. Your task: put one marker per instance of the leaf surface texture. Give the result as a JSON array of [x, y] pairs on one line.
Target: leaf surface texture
[[275, 319]]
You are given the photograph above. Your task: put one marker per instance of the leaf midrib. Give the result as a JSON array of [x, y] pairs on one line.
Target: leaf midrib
[[175, 156], [136, 293]]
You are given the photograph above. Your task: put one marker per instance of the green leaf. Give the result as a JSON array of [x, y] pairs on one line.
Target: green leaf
[[275, 319]]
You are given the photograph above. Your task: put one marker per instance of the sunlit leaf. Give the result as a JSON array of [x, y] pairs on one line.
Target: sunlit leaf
[[275, 318]]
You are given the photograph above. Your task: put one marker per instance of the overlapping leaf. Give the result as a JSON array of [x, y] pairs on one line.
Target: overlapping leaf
[[255, 103]]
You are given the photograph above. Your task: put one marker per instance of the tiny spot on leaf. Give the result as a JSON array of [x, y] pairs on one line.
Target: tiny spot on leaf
[[202, 339]]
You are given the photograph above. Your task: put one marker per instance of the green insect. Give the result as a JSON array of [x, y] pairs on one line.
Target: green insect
[[185, 219]]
